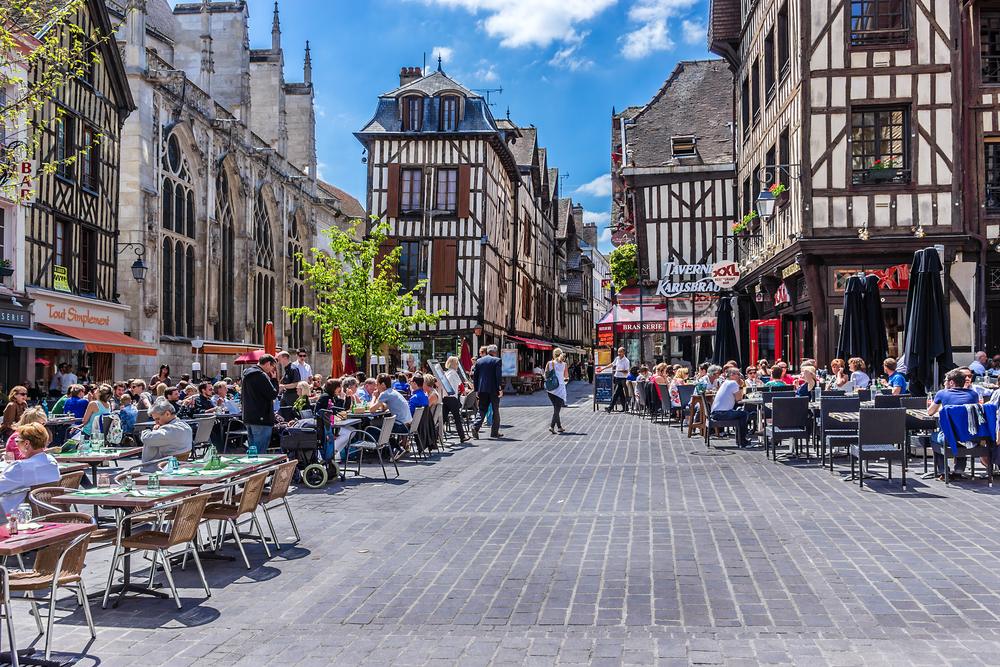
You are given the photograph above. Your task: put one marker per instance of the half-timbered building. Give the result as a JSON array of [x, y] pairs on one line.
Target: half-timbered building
[[673, 194], [71, 243], [469, 200], [856, 108]]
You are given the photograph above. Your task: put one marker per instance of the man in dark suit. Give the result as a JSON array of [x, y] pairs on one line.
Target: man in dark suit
[[487, 377]]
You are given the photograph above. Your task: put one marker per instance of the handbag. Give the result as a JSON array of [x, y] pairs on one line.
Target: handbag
[[551, 381]]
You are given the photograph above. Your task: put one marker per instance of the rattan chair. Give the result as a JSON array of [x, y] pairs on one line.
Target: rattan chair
[[833, 432], [185, 517], [789, 421], [244, 504], [57, 566], [281, 480], [881, 435], [71, 480]]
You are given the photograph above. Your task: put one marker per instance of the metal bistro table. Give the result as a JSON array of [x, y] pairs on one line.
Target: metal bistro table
[[128, 502], [47, 535], [194, 474], [95, 459]]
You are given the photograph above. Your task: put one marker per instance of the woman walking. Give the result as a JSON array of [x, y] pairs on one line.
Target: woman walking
[[555, 385]]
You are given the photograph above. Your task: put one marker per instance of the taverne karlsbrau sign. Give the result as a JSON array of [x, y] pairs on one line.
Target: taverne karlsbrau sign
[[686, 278]]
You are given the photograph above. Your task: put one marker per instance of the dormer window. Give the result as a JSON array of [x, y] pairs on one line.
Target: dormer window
[[413, 112], [449, 113], [683, 146]]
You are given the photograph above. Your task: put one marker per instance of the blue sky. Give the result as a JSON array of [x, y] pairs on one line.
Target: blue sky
[[562, 64]]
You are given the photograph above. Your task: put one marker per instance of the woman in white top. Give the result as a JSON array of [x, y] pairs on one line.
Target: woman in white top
[[558, 395], [452, 404], [858, 375]]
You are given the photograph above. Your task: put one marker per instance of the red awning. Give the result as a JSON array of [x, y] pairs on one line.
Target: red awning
[[251, 357], [225, 349], [95, 340], [532, 343], [627, 319]]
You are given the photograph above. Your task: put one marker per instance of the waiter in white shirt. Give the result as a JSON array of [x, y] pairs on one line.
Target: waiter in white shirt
[[620, 366]]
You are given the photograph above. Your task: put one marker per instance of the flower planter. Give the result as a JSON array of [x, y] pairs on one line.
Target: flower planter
[[882, 175], [781, 200], [6, 271]]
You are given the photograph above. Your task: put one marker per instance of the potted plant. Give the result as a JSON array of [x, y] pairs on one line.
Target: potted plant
[[742, 228], [624, 264], [6, 270], [780, 192], [883, 171]]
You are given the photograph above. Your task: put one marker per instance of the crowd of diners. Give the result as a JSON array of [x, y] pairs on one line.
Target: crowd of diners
[[729, 385]]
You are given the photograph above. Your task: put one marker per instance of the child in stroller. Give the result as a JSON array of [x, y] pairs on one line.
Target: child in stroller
[[301, 440]]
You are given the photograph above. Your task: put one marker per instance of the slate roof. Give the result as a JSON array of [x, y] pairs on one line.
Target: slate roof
[[565, 211], [697, 99], [432, 84], [524, 148]]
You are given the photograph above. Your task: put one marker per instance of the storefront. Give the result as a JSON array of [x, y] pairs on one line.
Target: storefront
[[98, 327], [17, 341]]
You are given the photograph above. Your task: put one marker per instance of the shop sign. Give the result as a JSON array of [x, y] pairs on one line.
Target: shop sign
[[13, 317], [414, 345], [605, 337], [26, 182], [782, 296], [790, 271], [50, 308], [685, 278], [726, 274], [60, 278], [893, 278]]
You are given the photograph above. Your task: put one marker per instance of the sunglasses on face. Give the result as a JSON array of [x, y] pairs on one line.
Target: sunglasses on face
[[21, 393]]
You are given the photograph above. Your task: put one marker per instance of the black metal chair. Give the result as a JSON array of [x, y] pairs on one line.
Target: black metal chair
[[712, 423], [768, 395], [833, 432], [832, 393], [886, 401], [865, 395], [789, 420], [685, 392], [881, 435]]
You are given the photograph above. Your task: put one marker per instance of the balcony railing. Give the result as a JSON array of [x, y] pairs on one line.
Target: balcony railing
[[886, 176], [880, 36]]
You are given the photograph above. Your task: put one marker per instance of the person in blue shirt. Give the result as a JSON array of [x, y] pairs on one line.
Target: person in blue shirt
[[367, 391], [418, 397], [978, 365], [896, 381], [956, 392], [77, 403], [401, 385]]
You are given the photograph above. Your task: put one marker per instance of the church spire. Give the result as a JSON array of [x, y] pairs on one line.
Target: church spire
[[307, 66], [275, 30]]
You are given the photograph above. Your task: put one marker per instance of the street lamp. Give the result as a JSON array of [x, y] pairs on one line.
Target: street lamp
[[139, 267], [765, 205]]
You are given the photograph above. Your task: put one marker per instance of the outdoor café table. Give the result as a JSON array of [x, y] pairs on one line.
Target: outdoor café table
[[95, 459], [46, 534], [128, 502], [194, 474]]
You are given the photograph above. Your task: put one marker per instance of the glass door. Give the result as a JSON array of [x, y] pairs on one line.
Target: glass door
[[765, 340]]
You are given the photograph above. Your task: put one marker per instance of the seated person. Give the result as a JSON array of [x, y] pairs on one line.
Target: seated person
[[859, 372], [724, 405], [776, 374], [127, 413], [30, 416], [203, 400], [366, 394], [391, 400], [401, 384], [170, 436], [35, 467], [955, 393], [809, 382], [418, 397], [221, 398], [896, 380], [77, 402], [752, 380]]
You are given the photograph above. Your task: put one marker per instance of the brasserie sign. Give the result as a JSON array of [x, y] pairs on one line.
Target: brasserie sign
[[687, 278]]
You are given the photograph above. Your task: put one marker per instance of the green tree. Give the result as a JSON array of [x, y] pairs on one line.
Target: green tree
[[42, 47], [624, 264], [359, 292]]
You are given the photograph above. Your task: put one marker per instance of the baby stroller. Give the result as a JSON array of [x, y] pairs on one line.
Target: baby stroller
[[302, 443]]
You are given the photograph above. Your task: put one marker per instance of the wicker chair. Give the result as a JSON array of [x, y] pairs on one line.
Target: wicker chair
[[281, 480], [57, 566], [71, 480], [186, 515], [244, 504]]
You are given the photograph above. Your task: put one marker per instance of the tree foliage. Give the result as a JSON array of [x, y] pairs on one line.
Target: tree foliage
[[359, 292], [42, 48], [624, 264]]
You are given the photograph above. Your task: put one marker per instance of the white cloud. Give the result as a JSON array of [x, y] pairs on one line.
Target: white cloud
[[599, 187], [695, 32], [321, 170], [651, 35], [530, 22], [567, 57], [599, 218], [605, 236], [487, 72], [445, 52]]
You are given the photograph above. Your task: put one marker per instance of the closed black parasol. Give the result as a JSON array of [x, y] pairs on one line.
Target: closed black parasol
[[878, 346], [928, 334], [726, 345], [853, 336]]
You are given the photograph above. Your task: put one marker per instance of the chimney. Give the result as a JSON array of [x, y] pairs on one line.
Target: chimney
[[409, 75], [578, 213]]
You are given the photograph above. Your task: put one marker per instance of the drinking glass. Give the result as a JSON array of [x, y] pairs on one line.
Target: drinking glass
[[127, 483], [252, 452], [153, 484], [103, 479], [8, 457], [23, 514]]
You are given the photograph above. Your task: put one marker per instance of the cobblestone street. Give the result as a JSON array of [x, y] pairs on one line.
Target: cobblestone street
[[619, 542]]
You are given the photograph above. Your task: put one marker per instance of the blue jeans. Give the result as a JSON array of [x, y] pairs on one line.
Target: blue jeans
[[741, 418], [260, 437], [938, 443]]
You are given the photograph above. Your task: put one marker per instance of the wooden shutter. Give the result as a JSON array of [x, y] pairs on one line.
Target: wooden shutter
[[405, 116], [444, 271], [464, 176], [392, 199], [384, 249]]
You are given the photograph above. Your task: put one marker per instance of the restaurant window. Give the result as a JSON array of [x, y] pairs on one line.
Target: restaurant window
[[879, 22], [991, 152], [410, 264], [783, 148], [64, 145], [447, 190], [783, 41], [747, 196], [60, 250], [413, 107], [770, 173], [755, 91], [683, 146], [90, 159], [225, 328], [410, 199], [769, 63], [879, 146], [449, 113], [87, 262], [989, 38], [745, 107]]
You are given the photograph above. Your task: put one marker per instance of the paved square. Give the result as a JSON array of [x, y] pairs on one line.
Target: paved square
[[621, 542]]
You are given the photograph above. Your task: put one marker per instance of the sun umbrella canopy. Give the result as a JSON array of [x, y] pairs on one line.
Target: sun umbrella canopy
[[928, 333], [251, 357], [270, 343], [726, 345], [466, 357], [851, 342], [336, 353], [878, 346]]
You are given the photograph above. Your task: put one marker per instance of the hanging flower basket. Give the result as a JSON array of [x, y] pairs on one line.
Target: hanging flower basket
[[882, 175], [6, 270]]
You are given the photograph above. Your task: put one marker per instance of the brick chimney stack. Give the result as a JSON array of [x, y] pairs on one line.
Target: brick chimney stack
[[409, 75]]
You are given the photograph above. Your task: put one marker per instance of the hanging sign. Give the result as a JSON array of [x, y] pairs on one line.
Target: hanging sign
[[60, 278], [782, 296], [26, 182], [686, 278], [790, 271], [726, 274]]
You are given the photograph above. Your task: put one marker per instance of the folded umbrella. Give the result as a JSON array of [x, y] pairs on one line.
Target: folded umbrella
[[726, 345], [877, 344], [851, 342]]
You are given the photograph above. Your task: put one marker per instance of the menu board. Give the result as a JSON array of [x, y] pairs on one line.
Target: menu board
[[438, 371]]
